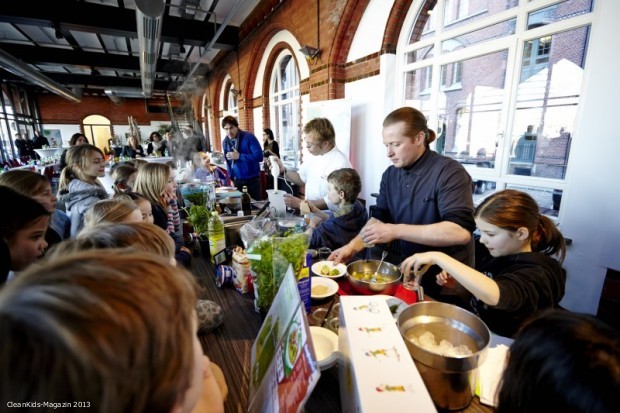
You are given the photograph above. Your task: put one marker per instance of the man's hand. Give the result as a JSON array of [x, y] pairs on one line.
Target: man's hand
[[232, 156], [376, 232], [291, 201]]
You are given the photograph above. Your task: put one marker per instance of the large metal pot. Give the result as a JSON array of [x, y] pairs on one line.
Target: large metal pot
[[449, 380], [368, 288], [230, 205]]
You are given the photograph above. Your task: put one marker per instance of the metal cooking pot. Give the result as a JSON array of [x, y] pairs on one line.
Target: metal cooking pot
[[230, 205]]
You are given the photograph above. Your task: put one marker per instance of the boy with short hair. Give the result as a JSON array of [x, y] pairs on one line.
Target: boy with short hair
[[334, 231]]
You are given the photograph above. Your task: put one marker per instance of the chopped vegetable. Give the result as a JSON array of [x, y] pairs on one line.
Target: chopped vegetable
[[325, 270], [334, 272]]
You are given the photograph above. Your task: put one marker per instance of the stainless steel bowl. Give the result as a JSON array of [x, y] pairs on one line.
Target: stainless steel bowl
[[447, 378], [366, 287]]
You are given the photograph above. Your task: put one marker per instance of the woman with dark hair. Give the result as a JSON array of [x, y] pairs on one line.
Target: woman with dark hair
[[270, 148], [157, 144], [76, 139], [562, 362]]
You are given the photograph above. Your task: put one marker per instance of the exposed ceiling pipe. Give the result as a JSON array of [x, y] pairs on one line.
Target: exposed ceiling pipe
[[209, 46], [149, 16], [22, 70], [117, 94]]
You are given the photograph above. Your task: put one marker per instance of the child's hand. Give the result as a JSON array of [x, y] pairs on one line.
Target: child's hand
[[445, 280]]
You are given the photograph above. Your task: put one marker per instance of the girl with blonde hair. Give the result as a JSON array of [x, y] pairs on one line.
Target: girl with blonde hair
[[112, 211], [156, 183], [79, 187], [37, 187]]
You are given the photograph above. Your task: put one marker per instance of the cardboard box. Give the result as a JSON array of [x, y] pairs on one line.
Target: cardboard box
[[242, 279], [377, 373]]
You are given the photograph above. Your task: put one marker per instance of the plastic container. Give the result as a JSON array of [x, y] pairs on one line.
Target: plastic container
[[217, 236]]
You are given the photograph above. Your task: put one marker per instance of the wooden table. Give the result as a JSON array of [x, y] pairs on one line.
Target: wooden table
[[230, 347]]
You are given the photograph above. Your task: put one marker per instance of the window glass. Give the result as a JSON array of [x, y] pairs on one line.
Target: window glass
[[507, 110], [285, 107], [558, 12], [471, 115], [548, 199], [547, 103], [495, 31]]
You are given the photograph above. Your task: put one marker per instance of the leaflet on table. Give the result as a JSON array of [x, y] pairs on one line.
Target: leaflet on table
[[284, 368]]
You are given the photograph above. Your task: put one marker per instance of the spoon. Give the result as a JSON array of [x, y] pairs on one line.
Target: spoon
[[373, 280]]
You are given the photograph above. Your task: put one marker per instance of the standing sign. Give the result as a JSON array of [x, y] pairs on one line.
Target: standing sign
[[284, 369]]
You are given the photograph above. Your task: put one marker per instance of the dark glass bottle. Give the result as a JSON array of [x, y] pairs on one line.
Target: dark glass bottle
[[246, 202]]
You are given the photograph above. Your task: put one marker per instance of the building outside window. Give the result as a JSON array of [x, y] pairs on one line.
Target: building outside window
[[501, 83]]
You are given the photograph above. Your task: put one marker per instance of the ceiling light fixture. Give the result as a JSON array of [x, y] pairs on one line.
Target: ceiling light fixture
[[149, 16], [94, 72], [182, 49]]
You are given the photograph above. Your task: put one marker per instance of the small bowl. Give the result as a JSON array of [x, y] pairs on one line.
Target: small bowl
[[366, 287]]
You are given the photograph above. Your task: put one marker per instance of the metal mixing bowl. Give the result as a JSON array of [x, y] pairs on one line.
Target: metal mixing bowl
[[366, 287]]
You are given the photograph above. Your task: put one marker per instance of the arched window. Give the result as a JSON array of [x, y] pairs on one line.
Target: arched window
[[232, 101], [500, 82], [285, 106]]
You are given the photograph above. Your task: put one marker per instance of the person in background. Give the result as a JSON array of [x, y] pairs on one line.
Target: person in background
[[23, 223], [123, 336], [37, 187], [146, 210], [206, 171], [424, 203], [21, 145], [562, 362], [111, 211], [79, 187], [76, 139], [133, 149], [320, 139], [156, 146], [517, 276], [39, 141], [270, 148], [348, 219], [243, 157], [123, 177], [156, 183]]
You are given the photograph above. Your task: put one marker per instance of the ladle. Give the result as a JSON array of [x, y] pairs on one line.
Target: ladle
[[373, 280]]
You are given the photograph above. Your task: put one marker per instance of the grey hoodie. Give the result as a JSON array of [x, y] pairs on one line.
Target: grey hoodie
[[80, 197]]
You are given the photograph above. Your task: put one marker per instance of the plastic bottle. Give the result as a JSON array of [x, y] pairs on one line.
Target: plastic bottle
[[246, 202], [217, 237]]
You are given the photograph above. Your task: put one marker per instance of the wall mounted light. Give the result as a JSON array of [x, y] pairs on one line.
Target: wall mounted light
[[235, 92], [310, 52], [149, 16]]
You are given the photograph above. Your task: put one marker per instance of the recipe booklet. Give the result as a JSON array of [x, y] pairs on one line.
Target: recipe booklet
[[284, 369]]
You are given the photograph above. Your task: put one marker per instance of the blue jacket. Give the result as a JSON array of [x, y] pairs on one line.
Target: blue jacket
[[338, 231], [250, 156]]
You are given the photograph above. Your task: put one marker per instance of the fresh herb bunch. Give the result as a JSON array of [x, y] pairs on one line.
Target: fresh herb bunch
[[196, 198], [198, 216], [271, 257]]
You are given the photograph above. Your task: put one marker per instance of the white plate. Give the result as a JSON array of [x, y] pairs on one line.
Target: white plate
[[396, 304], [325, 346], [322, 283], [342, 268]]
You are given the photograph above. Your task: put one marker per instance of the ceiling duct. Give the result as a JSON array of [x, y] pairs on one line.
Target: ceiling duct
[[149, 16], [117, 94], [17, 67]]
